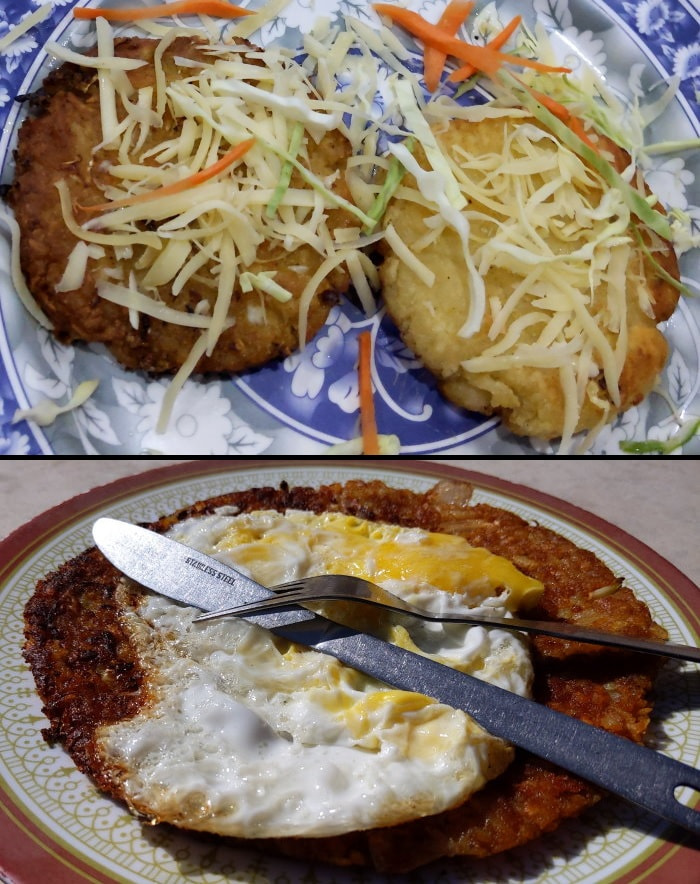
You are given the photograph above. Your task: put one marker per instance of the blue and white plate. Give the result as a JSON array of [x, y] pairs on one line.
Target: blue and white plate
[[309, 401]]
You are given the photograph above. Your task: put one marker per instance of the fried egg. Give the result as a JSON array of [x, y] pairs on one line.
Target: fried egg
[[249, 735]]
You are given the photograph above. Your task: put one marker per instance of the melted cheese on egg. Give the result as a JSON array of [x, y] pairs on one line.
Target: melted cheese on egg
[[276, 549], [251, 735]]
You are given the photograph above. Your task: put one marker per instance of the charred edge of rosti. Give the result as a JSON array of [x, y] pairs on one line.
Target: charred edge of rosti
[[367, 500], [67, 78], [86, 671]]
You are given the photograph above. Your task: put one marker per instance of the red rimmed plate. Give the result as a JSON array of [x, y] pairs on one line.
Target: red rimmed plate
[[55, 826]]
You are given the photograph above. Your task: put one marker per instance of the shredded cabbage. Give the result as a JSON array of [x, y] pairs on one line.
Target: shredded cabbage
[[28, 22], [657, 446], [45, 412], [550, 318], [264, 282], [654, 220], [392, 179], [286, 172], [416, 123]]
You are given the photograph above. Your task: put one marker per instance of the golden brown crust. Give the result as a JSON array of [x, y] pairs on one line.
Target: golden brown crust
[[604, 687], [57, 144]]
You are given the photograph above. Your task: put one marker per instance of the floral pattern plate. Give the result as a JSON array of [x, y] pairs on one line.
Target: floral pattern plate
[[55, 826], [309, 401]]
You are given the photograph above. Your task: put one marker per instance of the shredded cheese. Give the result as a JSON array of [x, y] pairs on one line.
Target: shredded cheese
[[567, 309], [409, 258], [245, 27], [108, 92], [74, 274], [133, 299], [99, 63], [533, 209], [170, 239], [185, 370], [18, 281]]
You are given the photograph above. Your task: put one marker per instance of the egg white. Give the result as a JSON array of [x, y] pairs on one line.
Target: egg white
[[249, 735]]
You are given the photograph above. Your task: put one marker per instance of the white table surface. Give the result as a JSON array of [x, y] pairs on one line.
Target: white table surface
[[656, 500]]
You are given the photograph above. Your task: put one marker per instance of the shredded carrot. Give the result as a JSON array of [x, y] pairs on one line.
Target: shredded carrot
[[501, 38], [562, 113], [483, 58], [370, 438], [552, 105], [578, 128], [218, 8], [178, 186], [453, 17]]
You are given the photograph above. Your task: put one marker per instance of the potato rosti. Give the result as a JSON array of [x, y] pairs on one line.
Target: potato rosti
[[115, 279], [565, 336], [90, 673]]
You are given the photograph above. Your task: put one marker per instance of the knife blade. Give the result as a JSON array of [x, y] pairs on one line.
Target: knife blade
[[641, 775]]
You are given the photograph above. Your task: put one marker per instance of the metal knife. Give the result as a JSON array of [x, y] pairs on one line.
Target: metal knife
[[640, 775]]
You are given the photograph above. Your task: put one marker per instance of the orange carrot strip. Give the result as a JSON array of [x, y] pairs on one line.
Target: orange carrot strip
[[370, 438], [178, 186], [564, 114], [484, 59], [577, 127], [499, 40], [218, 8], [454, 15], [452, 18], [553, 106]]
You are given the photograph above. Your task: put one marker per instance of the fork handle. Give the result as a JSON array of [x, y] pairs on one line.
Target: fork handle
[[572, 632], [287, 599]]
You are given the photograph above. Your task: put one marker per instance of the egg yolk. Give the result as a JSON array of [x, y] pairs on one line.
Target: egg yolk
[[334, 543]]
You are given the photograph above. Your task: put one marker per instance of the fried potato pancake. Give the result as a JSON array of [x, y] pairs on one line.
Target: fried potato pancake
[[510, 365], [58, 143], [88, 673]]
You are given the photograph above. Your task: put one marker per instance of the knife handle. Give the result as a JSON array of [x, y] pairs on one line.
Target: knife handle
[[643, 776]]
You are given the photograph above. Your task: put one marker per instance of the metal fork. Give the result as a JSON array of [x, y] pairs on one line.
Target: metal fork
[[341, 587]]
